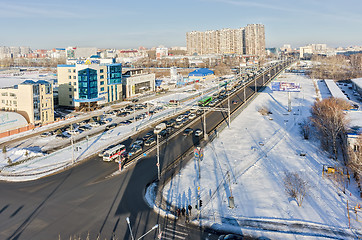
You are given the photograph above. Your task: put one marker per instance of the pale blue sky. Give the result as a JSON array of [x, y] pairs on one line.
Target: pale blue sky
[[133, 23]]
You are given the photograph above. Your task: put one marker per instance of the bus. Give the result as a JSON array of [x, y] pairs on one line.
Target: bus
[[114, 153], [203, 102]]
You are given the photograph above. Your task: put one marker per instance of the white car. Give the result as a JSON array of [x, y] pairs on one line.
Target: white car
[[198, 132], [180, 118], [192, 116]]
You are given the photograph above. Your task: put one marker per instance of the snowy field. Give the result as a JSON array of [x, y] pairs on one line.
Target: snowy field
[[248, 161]]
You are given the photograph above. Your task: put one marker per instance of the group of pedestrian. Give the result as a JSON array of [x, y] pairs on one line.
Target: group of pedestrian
[[183, 212]]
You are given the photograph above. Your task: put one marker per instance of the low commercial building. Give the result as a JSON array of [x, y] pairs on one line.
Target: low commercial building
[[88, 84], [201, 74], [135, 82], [32, 99], [357, 85]]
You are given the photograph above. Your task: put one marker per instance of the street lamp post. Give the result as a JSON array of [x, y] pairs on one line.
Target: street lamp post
[[153, 228], [129, 225], [229, 109], [158, 156]]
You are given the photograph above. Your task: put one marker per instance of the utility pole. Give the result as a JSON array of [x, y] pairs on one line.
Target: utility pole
[[229, 120], [205, 132], [71, 140]]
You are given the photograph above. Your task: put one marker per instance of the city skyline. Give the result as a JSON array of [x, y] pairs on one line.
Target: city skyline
[[44, 24]]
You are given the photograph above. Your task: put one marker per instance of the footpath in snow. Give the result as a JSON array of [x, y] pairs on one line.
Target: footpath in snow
[[248, 161]]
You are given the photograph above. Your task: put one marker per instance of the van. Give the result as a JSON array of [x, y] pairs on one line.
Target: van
[[159, 128]]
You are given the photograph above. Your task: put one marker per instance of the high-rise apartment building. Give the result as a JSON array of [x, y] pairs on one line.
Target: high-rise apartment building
[[249, 40], [255, 39]]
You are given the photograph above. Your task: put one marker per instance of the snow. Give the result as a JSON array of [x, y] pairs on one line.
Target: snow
[[36, 164], [236, 164], [335, 90]]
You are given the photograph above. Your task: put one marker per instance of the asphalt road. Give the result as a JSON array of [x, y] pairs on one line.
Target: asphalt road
[[81, 201]]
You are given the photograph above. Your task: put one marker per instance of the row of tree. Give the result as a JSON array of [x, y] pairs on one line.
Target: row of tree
[[339, 67]]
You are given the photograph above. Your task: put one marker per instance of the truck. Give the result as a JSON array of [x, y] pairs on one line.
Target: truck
[[159, 128]]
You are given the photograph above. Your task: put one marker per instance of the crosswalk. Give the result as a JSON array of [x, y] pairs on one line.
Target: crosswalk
[[177, 232]]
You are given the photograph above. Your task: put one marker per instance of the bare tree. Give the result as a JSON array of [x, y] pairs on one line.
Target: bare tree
[[295, 186], [330, 121], [305, 128]]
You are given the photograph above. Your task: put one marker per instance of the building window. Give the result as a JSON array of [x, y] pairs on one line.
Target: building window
[[70, 89], [102, 89], [74, 77], [74, 83], [102, 76], [70, 96], [70, 83], [70, 77], [4, 94], [101, 70], [74, 70], [75, 89], [70, 102], [69, 70], [12, 94], [102, 82]]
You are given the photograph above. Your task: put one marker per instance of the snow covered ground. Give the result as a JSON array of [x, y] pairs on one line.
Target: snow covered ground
[[248, 161], [31, 163]]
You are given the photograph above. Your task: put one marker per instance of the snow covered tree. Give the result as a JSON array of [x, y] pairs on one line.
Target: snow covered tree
[[295, 186], [330, 121]]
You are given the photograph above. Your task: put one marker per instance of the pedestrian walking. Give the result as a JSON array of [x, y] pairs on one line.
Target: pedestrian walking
[[189, 207], [178, 212], [187, 220], [183, 211]]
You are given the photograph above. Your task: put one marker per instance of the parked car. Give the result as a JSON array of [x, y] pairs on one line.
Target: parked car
[[180, 118], [169, 130], [112, 125], [46, 134], [188, 131]]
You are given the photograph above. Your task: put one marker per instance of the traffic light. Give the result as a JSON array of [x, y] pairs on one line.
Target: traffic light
[[200, 203]]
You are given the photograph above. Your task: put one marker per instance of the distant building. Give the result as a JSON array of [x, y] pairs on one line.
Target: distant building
[[201, 74], [249, 40], [87, 84], [32, 99], [161, 52], [135, 82]]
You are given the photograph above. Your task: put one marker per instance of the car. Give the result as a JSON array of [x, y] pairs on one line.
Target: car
[[234, 102], [179, 124], [163, 133], [134, 150], [147, 136], [187, 113], [138, 142], [46, 134], [180, 118], [171, 123], [198, 112], [125, 122], [192, 116], [135, 100], [150, 141], [193, 110], [169, 130], [112, 125], [198, 132], [94, 124], [188, 131]]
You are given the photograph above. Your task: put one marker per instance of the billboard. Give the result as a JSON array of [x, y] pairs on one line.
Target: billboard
[[285, 86]]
